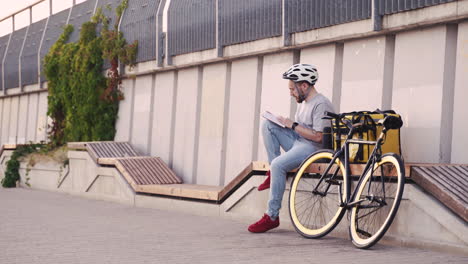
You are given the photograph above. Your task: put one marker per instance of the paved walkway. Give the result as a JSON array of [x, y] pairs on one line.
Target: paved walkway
[[44, 227]]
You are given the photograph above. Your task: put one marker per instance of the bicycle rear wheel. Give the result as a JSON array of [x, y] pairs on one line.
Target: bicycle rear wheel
[[380, 194], [314, 201]]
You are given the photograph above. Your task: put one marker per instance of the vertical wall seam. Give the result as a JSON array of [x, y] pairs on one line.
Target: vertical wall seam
[[258, 101], [36, 121], [46, 117], [173, 119], [337, 76], [9, 122], [448, 93], [18, 119], [1, 120], [26, 120], [132, 110], [197, 124], [293, 103], [227, 100], [150, 125], [389, 64]]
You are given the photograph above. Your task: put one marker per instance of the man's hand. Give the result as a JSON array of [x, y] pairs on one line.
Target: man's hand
[[305, 132], [286, 121]]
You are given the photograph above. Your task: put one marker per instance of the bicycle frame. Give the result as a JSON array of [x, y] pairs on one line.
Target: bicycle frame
[[344, 153]]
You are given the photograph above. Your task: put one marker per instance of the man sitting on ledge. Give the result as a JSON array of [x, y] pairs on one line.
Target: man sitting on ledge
[[298, 139]]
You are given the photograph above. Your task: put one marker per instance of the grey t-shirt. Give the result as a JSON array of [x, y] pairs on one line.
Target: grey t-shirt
[[309, 114]]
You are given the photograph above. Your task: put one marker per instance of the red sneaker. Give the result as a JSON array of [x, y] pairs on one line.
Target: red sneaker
[[266, 184], [264, 224]]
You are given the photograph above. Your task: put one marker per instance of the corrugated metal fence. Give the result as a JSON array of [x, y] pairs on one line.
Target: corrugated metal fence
[[387, 7], [139, 23], [193, 25], [29, 62], [52, 32], [246, 20]]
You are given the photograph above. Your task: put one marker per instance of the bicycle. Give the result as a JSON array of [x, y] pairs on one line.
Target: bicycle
[[320, 191]]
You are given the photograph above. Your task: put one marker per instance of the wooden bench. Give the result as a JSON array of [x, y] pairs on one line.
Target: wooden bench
[[447, 183]]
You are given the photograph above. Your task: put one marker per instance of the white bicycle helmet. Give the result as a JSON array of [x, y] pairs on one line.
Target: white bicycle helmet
[[302, 72]]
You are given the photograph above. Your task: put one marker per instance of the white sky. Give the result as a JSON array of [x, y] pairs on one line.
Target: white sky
[[39, 12]]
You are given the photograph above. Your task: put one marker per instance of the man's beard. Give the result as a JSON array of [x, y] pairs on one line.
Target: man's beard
[[298, 99]]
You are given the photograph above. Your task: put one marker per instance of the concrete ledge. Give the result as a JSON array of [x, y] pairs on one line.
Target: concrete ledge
[[178, 205]]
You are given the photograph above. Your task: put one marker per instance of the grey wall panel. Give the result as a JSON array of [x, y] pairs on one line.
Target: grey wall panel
[[3, 47], [80, 14], [394, 6], [302, 15], [191, 26], [139, 23], [12, 58], [29, 62], [247, 20], [52, 32]]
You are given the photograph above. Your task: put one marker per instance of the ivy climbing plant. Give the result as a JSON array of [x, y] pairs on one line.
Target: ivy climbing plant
[[12, 169], [83, 103]]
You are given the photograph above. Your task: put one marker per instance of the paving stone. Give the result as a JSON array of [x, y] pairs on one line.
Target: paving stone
[[45, 227]]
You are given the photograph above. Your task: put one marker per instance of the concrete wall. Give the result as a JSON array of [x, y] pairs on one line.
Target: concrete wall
[[363, 74], [204, 120], [243, 116], [32, 117], [41, 133], [6, 120], [329, 59], [22, 119], [275, 93], [124, 121], [187, 118], [418, 91], [215, 94], [163, 116], [460, 109], [19, 118], [142, 109]]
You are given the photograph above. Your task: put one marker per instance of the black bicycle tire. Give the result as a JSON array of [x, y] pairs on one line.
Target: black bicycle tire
[[391, 216], [342, 210]]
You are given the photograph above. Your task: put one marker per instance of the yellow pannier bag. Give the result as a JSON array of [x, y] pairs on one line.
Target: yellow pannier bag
[[370, 130]]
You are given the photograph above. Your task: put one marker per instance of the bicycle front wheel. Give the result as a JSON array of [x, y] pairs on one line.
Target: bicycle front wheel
[[314, 199], [378, 196]]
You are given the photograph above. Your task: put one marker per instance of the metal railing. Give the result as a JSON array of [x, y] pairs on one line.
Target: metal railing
[[192, 25]]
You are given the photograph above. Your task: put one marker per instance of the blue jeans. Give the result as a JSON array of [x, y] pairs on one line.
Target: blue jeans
[[296, 150]]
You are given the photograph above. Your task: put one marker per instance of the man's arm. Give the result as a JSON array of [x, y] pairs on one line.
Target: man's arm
[[305, 132], [309, 133]]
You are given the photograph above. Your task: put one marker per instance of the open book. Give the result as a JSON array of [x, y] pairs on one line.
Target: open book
[[272, 118]]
